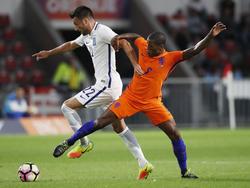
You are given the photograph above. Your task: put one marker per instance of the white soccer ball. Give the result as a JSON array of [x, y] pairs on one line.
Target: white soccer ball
[[28, 172]]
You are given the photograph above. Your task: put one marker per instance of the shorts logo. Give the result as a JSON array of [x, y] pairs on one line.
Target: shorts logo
[[117, 104]]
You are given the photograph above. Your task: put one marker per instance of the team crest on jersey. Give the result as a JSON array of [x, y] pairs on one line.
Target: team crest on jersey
[[161, 61], [117, 104]]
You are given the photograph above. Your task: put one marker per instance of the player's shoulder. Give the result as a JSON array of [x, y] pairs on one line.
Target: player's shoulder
[[173, 53], [101, 27], [140, 41], [80, 39]]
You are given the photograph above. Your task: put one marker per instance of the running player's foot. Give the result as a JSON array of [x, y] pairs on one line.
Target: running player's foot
[[189, 174], [77, 151], [145, 171], [60, 149]]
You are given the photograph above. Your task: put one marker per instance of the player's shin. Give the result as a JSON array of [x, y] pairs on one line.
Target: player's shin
[[74, 121], [85, 130], [180, 153], [130, 141]]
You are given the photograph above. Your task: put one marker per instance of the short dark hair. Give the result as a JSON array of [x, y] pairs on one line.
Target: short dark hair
[[158, 38], [82, 12]]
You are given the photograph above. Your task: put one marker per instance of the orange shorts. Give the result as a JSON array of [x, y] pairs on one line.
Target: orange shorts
[[153, 109]]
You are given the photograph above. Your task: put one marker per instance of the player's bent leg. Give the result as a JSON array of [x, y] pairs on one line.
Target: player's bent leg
[[106, 118], [75, 123], [145, 168], [179, 147], [119, 126]]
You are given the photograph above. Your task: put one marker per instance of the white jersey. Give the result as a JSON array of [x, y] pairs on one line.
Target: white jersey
[[108, 86], [102, 53]]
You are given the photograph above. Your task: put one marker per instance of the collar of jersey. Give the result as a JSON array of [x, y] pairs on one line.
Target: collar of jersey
[[94, 28], [161, 55]]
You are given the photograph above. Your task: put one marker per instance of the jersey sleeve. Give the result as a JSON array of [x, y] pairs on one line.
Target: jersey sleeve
[[106, 34], [177, 56], [140, 41], [79, 40]]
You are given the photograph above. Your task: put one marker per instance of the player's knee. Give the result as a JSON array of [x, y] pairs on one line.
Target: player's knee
[[175, 134], [63, 107], [117, 127], [170, 129], [105, 120], [101, 122]]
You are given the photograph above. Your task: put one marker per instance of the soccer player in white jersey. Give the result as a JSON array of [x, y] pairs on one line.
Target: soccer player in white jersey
[[108, 87]]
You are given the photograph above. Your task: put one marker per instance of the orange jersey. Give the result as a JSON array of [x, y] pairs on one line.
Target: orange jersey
[[156, 70]]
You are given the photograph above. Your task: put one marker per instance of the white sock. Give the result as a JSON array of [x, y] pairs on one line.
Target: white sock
[[74, 121], [133, 146]]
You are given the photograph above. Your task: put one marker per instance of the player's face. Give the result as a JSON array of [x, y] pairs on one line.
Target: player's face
[[81, 25], [153, 49]]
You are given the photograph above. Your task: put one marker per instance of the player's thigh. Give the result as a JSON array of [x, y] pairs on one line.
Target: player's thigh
[[73, 103], [114, 93], [123, 107], [106, 118], [157, 113], [92, 97]]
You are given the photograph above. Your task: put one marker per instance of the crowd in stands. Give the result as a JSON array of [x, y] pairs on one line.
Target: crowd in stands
[[18, 68], [16, 105], [231, 49], [15, 61]]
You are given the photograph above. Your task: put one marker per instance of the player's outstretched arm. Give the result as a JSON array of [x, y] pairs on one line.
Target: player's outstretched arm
[[216, 30], [65, 47]]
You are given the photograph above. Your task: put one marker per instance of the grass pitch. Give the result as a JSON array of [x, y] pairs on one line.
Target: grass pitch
[[221, 158]]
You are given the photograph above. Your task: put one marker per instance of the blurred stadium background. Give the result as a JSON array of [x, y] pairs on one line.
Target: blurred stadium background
[[212, 90]]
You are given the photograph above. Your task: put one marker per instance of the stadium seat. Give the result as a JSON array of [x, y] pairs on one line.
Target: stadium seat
[[21, 77], [9, 34], [163, 19], [3, 48], [4, 20], [18, 48], [10, 63], [37, 78], [4, 77], [27, 62]]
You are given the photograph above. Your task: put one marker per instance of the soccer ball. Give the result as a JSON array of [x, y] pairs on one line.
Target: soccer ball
[[28, 172]]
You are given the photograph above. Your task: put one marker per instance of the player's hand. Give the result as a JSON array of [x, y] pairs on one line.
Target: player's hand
[[115, 43], [218, 28], [138, 69], [41, 55]]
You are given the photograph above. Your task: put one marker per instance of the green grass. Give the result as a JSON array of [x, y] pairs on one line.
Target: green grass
[[220, 157]]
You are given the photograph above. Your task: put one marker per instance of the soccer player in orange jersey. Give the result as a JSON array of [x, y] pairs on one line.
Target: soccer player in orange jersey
[[143, 94]]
